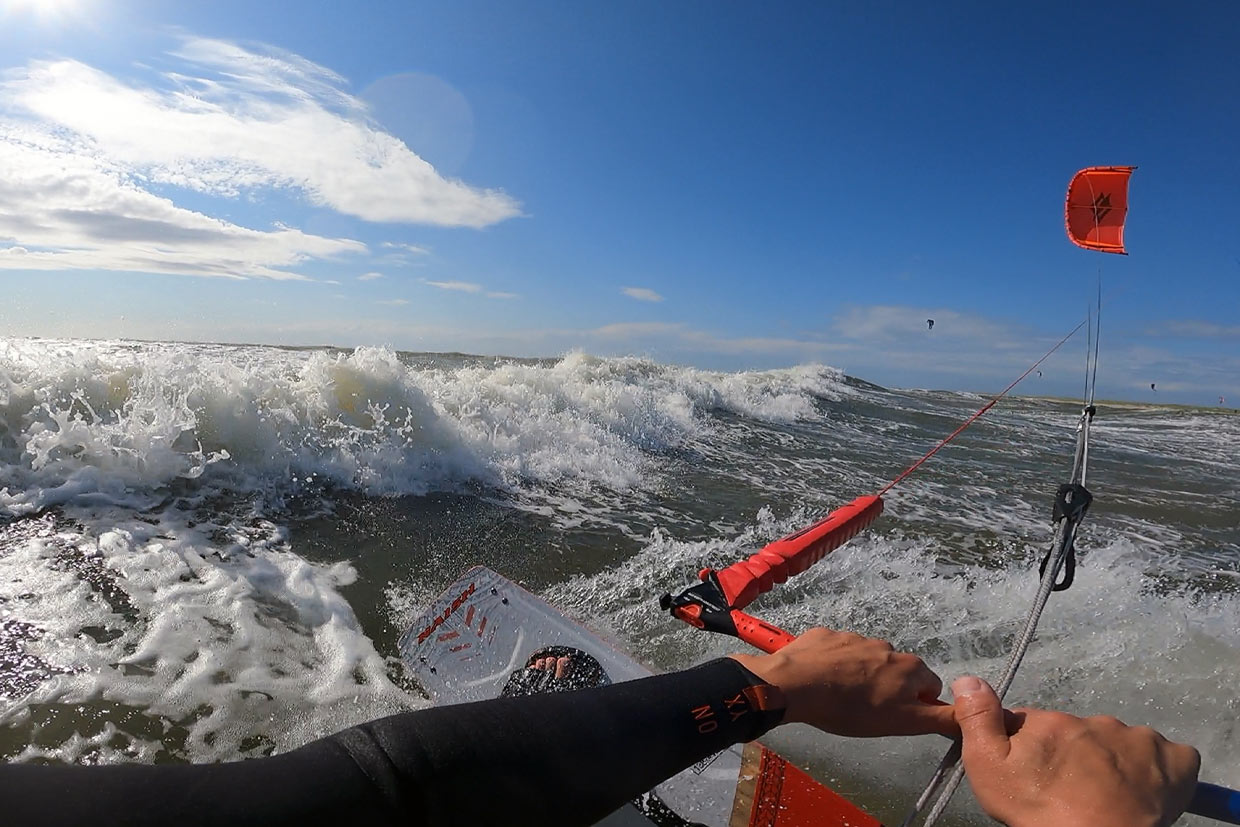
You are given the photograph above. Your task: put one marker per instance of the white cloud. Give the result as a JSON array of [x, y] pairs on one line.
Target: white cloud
[[668, 335], [81, 152], [407, 248], [67, 207], [371, 276], [1194, 329], [632, 330], [239, 119], [394, 302], [644, 294], [896, 347], [886, 323], [459, 286], [469, 287]]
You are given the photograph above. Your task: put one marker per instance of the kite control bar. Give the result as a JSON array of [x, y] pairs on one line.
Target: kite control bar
[[704, 606], [1218, 803], [715, 604]]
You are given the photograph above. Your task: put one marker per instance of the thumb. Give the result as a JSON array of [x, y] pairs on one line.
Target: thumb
[[980, 716]]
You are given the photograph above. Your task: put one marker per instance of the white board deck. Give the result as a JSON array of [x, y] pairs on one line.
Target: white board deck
[[484, 627]]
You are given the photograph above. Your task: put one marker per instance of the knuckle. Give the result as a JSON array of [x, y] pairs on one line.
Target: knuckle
[[1061, 721], [1106, 722], [1192, 757], [907, 662]]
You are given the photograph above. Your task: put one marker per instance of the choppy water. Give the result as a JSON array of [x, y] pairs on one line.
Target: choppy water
[[207, 552]]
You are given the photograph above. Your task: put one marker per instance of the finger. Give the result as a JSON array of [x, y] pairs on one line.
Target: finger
[[928, 684], [935, 718], [561, 666], [980, 716], [1183, 762]]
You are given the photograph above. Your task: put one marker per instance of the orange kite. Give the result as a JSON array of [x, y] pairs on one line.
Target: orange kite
[[1096, 207]]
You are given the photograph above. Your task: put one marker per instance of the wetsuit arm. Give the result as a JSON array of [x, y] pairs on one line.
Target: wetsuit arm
[[554, 759]]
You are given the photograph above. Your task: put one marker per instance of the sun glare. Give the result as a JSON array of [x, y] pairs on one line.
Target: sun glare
[[43, 10]]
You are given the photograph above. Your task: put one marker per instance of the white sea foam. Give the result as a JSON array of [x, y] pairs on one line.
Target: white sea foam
[[117, 420], [153, 592], [238, 646]]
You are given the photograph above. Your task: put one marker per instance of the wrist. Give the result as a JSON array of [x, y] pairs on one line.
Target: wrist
[[766, 671], [764, 694]]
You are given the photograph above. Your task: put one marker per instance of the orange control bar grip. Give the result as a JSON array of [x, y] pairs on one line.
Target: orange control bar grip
[[759, 633], [742, 582]]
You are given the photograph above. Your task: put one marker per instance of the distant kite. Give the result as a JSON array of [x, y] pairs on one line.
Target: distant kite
[[1039, 374], [1096, 207], [929, 324], [1221, 400], [1152, 387]]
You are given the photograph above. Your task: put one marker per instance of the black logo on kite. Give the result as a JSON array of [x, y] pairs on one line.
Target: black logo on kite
[[1102, 207]]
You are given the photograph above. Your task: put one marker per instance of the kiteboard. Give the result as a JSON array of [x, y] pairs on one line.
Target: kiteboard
[[484, 627]]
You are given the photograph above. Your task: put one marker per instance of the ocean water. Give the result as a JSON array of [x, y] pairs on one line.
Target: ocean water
[[208, 552]]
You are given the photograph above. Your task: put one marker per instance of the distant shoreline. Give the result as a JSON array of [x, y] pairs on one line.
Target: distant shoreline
[[1115, 403]]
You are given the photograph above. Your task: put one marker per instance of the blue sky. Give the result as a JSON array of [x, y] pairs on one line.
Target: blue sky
[[726, 185]]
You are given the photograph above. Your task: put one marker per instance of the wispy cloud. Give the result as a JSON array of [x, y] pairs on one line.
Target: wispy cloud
[[639, 335], [644, 294], [371, 276], [896, 348], [1193, 329], [469, 287], [406, 248], [459, 286], [82, 152], [888, 323], [393, 302], [631, 330]]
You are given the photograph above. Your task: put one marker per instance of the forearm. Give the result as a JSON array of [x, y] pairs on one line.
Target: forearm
[[567, 758], [555, 759]]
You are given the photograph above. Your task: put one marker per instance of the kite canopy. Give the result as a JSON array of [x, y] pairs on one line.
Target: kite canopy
[[1096, 208]]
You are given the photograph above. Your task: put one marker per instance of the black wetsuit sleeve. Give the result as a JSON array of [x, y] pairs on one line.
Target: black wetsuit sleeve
[[555, 759]]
